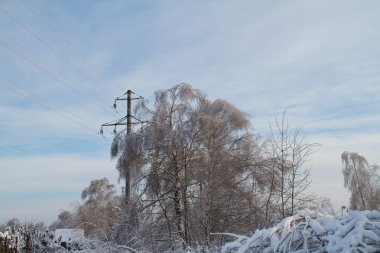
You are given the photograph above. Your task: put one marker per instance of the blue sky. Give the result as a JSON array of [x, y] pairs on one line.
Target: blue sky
[[64, 62]]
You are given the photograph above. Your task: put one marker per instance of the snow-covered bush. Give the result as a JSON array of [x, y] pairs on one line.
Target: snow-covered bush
[[24, 239], [308, 231]]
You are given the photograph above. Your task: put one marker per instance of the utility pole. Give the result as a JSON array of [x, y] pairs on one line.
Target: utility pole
[[128, 188], [120, 122], [129, 112]]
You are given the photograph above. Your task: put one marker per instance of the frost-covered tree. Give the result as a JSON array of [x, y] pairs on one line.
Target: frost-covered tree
[[374, 200], [362, 180], [13, 223], [66, 219], [96, 214], [157, 157], [288, 152], [226, 158], [99, 210], [191, 165]]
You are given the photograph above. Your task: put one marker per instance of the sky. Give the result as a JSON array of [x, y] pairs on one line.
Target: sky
[[64, 62]]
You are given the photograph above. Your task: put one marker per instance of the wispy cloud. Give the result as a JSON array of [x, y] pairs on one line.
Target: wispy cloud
[[321, 56]]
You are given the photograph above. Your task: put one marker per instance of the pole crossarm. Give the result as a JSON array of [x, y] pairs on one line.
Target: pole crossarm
[[122, 124], [128, 117], [121, 99]]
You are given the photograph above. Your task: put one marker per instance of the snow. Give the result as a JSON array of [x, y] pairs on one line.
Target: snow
[[304, 232], [66, 235], [3, 234], [308, 231]]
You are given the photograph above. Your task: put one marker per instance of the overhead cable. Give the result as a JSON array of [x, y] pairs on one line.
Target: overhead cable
[[30, 31]]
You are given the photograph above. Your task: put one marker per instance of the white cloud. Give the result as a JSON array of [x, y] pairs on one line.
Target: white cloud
[[262, 56]]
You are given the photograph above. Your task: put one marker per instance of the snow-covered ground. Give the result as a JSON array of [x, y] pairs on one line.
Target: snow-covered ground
[[308, 231]]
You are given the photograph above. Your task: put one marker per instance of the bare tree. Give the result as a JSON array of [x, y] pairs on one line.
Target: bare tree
[[288, 153]]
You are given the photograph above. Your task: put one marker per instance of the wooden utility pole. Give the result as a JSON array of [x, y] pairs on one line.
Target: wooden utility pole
[[129, 112], [129, 129], [128, 185]]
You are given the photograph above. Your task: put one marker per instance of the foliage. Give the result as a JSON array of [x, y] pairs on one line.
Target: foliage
[[196, 168], [362, 180], [99, 209], [25, 239], [66, 219], [96, 214]]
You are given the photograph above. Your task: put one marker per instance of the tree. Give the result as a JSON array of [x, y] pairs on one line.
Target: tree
[[192, 166], [226, 155], [157, 156], [99, 209], [362, 180], [288, 153], [97, 213], [14, 223], [66, 219], [374, 200], [11, 224]]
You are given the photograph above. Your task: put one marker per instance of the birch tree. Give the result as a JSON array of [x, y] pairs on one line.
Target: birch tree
[[227, 152], [160, 152], [99, 209], [190, 162], [362, 180]]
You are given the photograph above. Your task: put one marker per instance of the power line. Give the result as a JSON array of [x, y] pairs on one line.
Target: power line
[[52, 28], [30, 31], [35, 56], [16, 88], [33, 95], [60, 35], [46, 105], [52, 75], [21, 46]]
